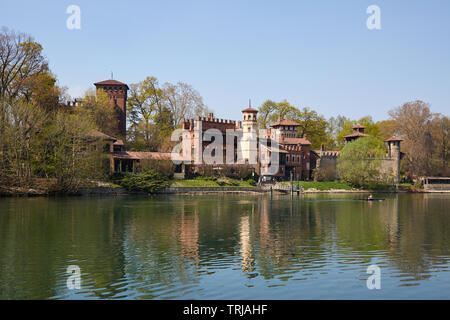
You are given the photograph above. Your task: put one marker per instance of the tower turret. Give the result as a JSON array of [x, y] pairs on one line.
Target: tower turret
[[393, 145], [117, 92], [249, 135]]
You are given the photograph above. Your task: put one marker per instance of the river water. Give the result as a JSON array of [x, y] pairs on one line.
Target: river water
[[226, 246]]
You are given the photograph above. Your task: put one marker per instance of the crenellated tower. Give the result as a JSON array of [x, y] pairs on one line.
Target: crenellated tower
[[394, 153]]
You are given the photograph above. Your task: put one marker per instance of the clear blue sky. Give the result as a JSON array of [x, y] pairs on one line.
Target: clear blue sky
[[317, 54]]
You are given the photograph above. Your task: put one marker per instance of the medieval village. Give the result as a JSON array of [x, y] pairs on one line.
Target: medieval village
[[224, 150]]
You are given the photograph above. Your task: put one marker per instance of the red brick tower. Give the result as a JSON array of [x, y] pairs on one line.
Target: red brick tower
[[117, 92]]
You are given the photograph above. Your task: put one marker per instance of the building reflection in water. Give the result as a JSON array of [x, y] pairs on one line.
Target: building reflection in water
[[245, 244], [189, 224], [166, 246]]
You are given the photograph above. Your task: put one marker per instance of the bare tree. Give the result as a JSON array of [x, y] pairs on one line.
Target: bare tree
[[20, 58], [183, 101], [413, 123]]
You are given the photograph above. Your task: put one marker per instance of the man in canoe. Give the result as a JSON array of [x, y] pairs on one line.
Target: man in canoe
[[370, 197]]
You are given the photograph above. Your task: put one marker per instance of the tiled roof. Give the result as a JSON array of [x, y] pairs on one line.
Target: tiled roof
[[356, 134], [301, 141], [98, 134], [285, 122], [393, 139], [137, 155], [118, 143], [111, 82], [253, 110]]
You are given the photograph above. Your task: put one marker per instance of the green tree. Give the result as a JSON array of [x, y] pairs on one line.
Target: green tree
[[360, 161], [388, 128], [312, 124], [41, 89], [21, 123], [98, 105], [315, 126], [335, 126], [371, 129], [271, 111], [65, 152], [146, 99]]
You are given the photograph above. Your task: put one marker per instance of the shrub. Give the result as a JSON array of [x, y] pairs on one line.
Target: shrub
[[164, 167], [226, 182], [418, 184], [117, 176], [150, 181], [360, 161], [324, 174]]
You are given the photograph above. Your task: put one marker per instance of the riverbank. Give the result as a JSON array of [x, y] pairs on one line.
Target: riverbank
[[204, 186]]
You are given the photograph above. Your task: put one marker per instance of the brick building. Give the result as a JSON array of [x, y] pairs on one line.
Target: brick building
[[390, 164], [295, 157], [294, 154], [117, 92]]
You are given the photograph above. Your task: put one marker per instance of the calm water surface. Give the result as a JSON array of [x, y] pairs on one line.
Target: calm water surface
[[225, 247]]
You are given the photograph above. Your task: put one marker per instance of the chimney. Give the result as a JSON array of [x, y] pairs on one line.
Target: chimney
[[240, 124]]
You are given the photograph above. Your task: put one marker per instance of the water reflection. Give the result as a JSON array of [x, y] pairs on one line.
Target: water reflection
[[225, 247]]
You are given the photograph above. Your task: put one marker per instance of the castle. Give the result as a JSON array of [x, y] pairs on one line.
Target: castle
[[293, 154], [390, 164]]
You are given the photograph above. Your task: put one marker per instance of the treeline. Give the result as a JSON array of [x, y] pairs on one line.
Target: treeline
[[43, 144], [42, 138], [46, 144], [154, 111], [425, 134]]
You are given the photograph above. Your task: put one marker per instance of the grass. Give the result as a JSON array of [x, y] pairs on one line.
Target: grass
[[325, 185], [211, 182]]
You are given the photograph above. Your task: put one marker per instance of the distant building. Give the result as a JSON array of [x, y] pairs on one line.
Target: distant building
[[295, 157], [358, 132], [293, 152], [390, 164], [117, 92]]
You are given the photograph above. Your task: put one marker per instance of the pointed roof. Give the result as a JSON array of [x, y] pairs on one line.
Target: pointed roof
[[111, 82], [249, 109], [358, 126], [356, 134], [393, 139], [98, 134]]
